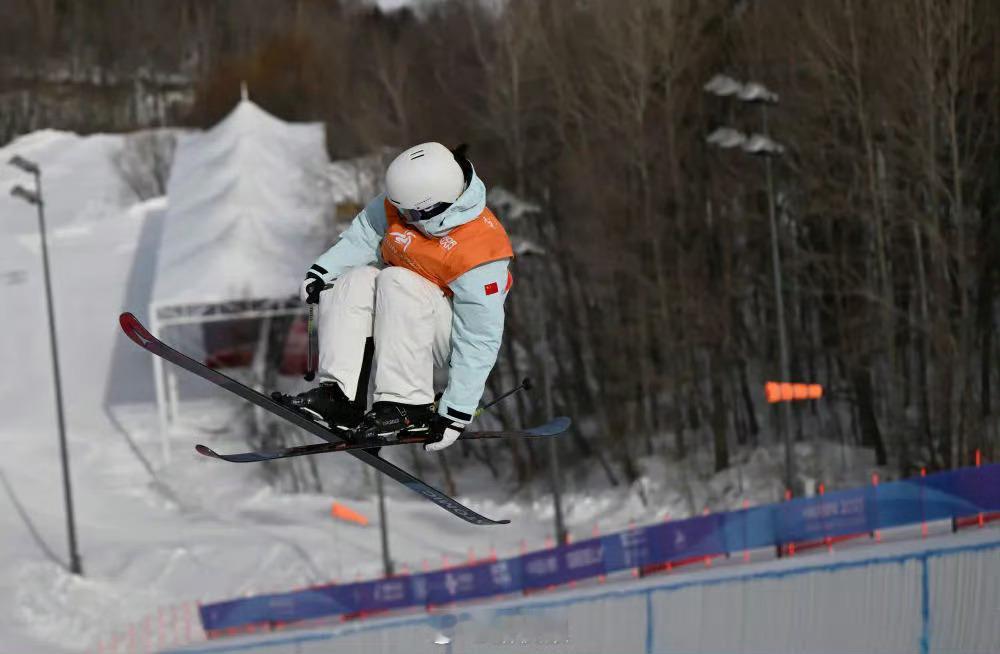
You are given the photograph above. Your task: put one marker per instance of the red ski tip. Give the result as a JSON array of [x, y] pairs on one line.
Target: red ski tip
[[134, 329]]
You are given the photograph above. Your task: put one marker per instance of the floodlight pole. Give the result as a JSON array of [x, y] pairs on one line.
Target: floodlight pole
[[786, 407], [754, 93], [75, 566]]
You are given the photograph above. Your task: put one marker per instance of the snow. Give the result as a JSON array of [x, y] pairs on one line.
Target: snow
[[510, 206], [512, 209], [157, 536]]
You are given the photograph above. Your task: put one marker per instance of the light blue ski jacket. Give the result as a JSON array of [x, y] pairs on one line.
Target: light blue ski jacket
[[477, 317]]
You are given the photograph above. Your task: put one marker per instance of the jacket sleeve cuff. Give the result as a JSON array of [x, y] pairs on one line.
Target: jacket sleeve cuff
[[456, 414], [317, 272]]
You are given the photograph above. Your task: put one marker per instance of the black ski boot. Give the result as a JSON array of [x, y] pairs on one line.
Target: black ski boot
[[387, 420], [326, 402]]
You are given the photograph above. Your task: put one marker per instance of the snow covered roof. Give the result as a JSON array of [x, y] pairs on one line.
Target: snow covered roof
[[245, 209]]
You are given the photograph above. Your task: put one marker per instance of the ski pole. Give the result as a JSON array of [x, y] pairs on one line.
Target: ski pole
[[310, 345], [312, 342], [524, 385]]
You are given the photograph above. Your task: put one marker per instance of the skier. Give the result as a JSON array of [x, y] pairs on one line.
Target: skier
[[422, 269]]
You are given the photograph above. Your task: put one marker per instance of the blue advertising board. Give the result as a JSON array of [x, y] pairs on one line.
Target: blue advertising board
[[952, 494]]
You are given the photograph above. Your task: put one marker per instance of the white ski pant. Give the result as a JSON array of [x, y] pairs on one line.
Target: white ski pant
[[410, 319]]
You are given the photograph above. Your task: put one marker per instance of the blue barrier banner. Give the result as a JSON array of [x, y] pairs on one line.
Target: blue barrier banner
[[626, 549], [946, 495], [748, 529], [683, 539], [284, 607], [584, 559], [382, 595], [953, 494], [979, 486], [469, 582], [939, 500], [969, 491], [541, 569], [559, 565], [833, 514], [905, 503]]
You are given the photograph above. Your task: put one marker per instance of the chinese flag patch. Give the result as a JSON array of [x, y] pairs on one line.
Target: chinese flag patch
[[492, 288]]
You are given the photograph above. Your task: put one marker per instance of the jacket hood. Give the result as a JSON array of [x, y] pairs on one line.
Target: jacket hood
[[466, 208]]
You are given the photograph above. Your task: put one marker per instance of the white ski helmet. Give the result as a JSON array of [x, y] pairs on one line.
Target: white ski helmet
[[423, 181]]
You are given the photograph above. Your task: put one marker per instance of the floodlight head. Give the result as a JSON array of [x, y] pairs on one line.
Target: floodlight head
[[723, 86], [726, 137], [758, 93], [759, 144], [25, 194], [27, 166]]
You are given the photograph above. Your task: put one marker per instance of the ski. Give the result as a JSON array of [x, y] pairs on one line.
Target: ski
[[141, 336], [550, 429]]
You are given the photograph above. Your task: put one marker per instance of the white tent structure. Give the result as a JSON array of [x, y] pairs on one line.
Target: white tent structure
[[246, 202]]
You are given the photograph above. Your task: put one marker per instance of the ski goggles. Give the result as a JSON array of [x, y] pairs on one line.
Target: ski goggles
[[417, 215]]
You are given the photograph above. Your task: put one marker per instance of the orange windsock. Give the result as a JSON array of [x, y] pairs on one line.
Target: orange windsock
[[341, 512], [788, 392]]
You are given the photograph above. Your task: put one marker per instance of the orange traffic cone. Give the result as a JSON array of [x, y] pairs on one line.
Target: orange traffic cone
[[341, 512]]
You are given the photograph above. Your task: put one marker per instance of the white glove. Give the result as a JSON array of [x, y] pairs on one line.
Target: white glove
[[445, 431]]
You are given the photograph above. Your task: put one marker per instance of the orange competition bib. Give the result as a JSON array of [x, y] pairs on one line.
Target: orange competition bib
[[442, 260]]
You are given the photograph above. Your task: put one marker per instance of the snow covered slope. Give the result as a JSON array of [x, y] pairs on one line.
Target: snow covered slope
[[92, 241]]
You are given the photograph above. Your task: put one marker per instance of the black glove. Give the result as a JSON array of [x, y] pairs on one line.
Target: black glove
[[443, 432], [311, 287]]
